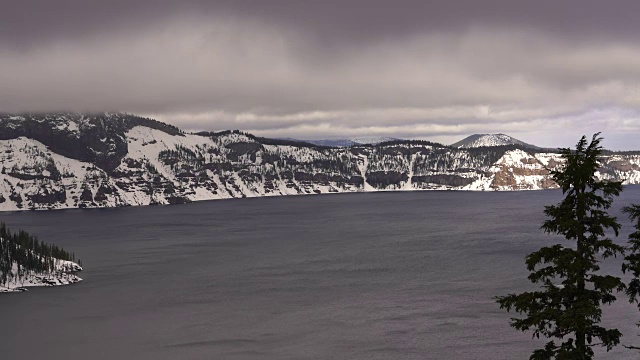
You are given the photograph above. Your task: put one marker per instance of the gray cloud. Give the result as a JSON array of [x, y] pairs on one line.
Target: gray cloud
[[332, 21], [541, 71]]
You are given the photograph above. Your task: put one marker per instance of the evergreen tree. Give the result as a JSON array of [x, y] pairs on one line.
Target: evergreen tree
[[632, 260], [28, 254], [568, 307]]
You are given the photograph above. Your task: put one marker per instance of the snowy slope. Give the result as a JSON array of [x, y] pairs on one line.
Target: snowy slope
[[129, 161], [518, 170]]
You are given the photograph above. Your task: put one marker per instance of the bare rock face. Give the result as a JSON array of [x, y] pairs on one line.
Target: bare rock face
[[387, 179], [48, 195], [106, 160], [442, 180], [519, 170], [86, 195], [623, 165]]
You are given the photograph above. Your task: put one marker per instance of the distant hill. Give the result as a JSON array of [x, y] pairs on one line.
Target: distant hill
[[489, 140], [349, 142]]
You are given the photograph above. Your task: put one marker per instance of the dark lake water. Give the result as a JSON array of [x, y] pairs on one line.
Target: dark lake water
[[398, 275]]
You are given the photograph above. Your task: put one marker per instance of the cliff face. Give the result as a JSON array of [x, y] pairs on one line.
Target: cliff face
[[106, 160]]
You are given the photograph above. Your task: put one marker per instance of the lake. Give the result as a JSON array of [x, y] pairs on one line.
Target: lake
[[392, 275]]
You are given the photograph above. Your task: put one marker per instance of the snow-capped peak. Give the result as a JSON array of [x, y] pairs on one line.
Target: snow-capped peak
[[487, 140]]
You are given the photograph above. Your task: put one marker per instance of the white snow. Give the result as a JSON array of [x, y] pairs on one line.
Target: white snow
[[363, 165], [491, 140], [63, 275], [481, 184], [526, 171], [138, 184]]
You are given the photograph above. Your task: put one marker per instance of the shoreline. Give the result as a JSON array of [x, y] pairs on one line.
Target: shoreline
[[66, 274]]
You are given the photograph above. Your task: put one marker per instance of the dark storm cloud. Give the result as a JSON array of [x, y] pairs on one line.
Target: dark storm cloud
[[409, 68], [342, 22]]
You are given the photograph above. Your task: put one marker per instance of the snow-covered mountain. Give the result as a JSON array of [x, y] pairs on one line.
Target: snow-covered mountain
[[488, 140], [66, 160]]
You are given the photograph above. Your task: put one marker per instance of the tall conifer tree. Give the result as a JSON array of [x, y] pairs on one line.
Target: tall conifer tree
[[632, 260], [568, 307]]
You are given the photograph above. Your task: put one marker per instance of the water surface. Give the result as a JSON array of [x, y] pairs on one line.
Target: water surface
[[399, 275]]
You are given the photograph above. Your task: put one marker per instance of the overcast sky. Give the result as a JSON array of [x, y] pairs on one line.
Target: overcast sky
[[542, 71]]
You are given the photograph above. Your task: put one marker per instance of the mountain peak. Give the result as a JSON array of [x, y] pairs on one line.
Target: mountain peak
[[488, 140]]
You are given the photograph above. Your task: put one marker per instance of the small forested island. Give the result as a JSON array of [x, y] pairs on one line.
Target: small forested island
[[26, 261]]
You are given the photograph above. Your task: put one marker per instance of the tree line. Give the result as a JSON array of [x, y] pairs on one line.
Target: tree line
[[28, 254], [567, 309]]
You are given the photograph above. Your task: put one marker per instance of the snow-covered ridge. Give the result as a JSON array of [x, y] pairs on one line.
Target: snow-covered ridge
[[153, 163]]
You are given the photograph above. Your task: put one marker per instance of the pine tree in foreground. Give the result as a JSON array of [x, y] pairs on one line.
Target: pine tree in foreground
[[568, 307], [632, 260]]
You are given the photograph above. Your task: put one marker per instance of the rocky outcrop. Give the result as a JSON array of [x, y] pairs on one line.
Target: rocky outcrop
[[519, 170]]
